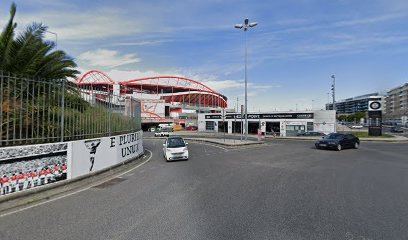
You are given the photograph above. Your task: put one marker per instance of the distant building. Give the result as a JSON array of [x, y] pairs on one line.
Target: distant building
[[396, 111], [354, 104]]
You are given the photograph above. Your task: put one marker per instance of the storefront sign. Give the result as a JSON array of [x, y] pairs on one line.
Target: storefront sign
[[265, 116], [212, 116]]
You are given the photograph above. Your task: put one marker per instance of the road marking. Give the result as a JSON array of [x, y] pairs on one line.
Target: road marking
[[81, 190], [195, 141], [210, 144]]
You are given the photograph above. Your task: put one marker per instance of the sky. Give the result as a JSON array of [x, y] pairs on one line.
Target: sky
[[292, 52]]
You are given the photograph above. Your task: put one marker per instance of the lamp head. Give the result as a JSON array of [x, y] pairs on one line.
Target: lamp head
[[239, 26]]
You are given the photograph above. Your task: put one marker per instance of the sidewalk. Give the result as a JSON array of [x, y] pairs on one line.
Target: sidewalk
[[224, 142], [253, 138], [372, 139]]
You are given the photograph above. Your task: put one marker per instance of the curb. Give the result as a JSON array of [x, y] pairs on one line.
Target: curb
[[384, 140], [223, 144], [361, 140], [208, 140], [33, 195]]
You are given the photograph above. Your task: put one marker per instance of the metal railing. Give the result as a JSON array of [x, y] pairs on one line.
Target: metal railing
[[40, 111]]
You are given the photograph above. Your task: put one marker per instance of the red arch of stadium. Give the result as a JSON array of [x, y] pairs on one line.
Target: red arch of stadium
[[171, 88]]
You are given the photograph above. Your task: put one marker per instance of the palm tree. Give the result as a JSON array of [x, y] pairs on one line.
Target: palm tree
[[30, 55]]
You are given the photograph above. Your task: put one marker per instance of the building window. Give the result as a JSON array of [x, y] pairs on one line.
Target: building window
[[309, 126], [209, 125]]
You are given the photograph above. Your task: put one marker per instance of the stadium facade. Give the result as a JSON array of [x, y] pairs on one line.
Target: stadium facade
[[164, 99]]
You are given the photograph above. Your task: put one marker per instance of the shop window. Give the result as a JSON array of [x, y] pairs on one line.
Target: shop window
[[209, 125], [309, 127]]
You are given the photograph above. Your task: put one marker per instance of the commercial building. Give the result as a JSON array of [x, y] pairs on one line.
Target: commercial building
[[354, 104], [279, 123], [164, 99], [396, 101]]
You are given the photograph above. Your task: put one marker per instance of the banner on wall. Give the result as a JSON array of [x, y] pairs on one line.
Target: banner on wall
[[30, 166], [96, 154]]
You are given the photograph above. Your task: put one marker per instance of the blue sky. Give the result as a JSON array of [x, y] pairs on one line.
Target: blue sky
[[293, 51]]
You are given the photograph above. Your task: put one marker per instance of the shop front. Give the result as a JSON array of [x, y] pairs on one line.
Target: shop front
[[276, 123]]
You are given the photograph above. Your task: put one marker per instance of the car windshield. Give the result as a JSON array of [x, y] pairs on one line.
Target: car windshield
[[333, 136], [175, 143]]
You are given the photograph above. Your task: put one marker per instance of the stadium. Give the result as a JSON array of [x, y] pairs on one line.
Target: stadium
[[164, 99]]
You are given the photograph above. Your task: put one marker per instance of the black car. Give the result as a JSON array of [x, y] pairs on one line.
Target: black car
[[397, 130], [338, 141], [311, 134]]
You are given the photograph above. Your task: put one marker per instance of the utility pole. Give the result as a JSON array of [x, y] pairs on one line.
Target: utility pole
[[223, 120], [334, 92], [334, 102], [235, 121]]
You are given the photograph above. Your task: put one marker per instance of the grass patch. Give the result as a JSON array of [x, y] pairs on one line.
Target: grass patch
[[365, 135]]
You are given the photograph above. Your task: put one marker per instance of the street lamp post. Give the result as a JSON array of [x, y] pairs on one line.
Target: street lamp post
[[246, 26], [334, 102], [334, 92]]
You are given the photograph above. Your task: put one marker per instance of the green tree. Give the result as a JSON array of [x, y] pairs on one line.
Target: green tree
[[30, 55], [342, 118], [359, 115]]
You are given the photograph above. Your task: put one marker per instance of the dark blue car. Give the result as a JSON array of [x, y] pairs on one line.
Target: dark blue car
[[338, 141]]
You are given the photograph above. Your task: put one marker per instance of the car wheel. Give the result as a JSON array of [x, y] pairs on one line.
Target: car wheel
[[339, 147], [356, 145]]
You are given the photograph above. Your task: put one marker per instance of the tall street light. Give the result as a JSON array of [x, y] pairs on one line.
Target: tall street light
[[334, 92], [246, 26], [334, 102]]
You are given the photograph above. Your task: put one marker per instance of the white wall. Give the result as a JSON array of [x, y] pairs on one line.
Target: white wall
[[152, 106], [324, 121], [108, 151]]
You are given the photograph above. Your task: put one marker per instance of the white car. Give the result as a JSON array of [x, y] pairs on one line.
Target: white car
[[175, 148], [356, 127], [161, 134]]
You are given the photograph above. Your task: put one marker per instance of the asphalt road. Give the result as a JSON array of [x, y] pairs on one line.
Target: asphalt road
[[281, 190]]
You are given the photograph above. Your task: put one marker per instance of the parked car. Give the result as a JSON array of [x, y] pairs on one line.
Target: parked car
[[338, 141], [311, 134], [167, 129], [191, 128], [161, 133], [175, 148], [396, 130], [356, 127]]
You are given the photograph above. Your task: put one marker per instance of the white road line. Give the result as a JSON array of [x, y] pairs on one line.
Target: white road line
[[209, 144], [86, 188], [195, 141]]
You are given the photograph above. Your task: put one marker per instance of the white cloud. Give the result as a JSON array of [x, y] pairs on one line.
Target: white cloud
[[370, 20], [83, 25], [107, 58], [143, 43]]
